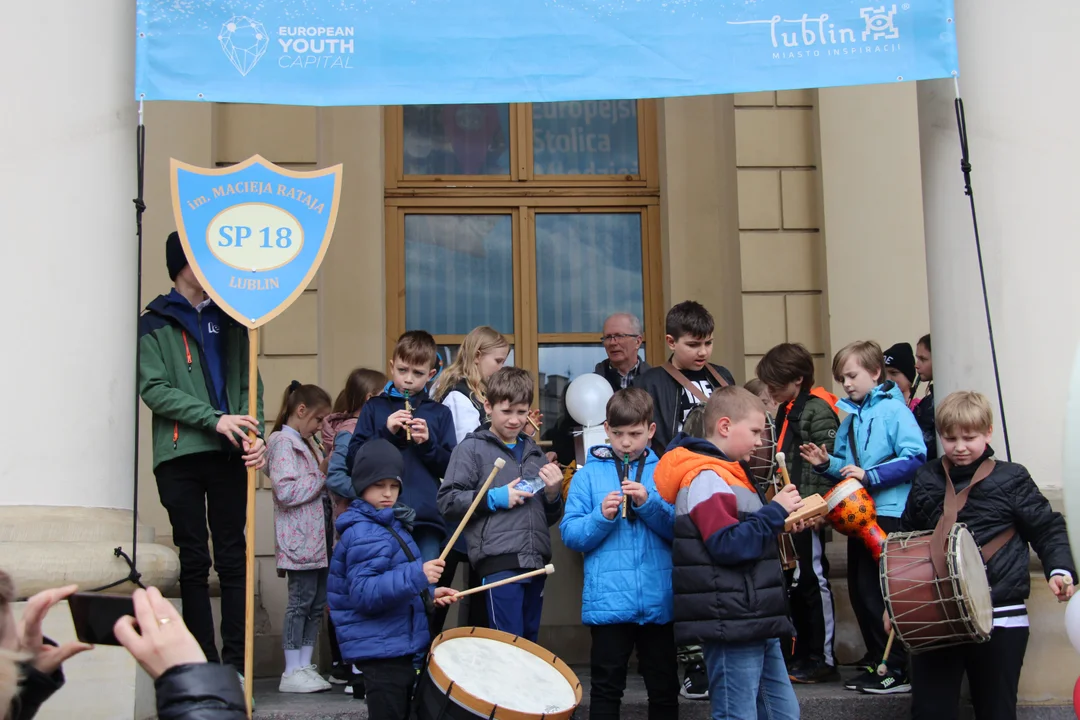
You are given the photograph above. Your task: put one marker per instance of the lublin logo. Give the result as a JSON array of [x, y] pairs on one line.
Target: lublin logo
[[811, 34], [244, 42]]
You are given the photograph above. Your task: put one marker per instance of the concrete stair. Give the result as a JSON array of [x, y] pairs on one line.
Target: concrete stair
[[817, 702]]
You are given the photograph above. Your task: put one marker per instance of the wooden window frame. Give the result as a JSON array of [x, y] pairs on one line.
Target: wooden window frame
[[523, 197]]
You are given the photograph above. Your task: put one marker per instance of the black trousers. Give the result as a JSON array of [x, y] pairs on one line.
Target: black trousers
[[610, 655], [389, 686], [196, 489], [993, 670], [472, 611], [864, 589], [812, 608]]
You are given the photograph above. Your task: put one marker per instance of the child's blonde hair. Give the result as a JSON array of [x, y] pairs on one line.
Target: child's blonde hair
[[479, 342], [867, 352], [964, 410], [731, 402]]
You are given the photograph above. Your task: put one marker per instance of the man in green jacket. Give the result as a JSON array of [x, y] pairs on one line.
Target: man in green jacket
[[193, 375], [805, 414]]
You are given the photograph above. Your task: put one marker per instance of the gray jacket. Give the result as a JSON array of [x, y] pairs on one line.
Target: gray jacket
[[498, 540]]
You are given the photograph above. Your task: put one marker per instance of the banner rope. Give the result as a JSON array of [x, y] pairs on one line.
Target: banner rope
[[134, 576], [965, 168]]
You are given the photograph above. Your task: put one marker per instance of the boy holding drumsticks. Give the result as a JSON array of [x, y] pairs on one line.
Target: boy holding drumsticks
[[1004, 509], [728, 583], [508, 534]]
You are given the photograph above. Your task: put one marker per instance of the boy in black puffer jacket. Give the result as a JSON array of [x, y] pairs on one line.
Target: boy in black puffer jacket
[[1005, 505]]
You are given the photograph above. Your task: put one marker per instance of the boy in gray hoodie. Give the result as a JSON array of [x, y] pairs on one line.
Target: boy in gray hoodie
[[508, 534]]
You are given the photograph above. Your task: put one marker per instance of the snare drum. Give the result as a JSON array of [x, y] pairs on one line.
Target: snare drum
[[480, 673], [929, 612]]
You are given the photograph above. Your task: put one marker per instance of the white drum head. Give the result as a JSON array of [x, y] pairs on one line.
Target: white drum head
[[842, 491], [967, 566], [504, 675]]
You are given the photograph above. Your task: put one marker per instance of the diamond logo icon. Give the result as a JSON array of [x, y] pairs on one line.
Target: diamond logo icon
[[243, 41]]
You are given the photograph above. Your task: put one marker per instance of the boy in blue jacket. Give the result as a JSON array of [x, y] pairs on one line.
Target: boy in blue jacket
[[378, 587], [424, 435], [615, 516], [879, 444]]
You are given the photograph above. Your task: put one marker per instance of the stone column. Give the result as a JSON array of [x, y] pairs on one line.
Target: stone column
[[1022, 131], [69, 254]]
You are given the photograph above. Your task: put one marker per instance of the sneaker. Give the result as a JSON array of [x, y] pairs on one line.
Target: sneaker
[[696, 684], [814, 671], [339, 674], [313, 670], [302, 680], [866, 674], [891, 684]]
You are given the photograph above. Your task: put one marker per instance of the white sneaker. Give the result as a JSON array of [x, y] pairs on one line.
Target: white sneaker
[[302, 681], [313, 670]]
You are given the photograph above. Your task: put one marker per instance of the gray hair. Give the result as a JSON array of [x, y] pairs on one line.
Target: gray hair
[[635, 322]]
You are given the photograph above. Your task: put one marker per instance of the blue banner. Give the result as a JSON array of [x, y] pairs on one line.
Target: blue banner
[[254, 233], [407, 52]]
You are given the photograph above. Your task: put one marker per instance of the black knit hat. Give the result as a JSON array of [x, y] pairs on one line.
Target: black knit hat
[[175, 259], [376, 460], [901, 357]]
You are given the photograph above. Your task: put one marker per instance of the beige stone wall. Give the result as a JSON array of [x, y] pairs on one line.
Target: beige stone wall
[[779, 224]]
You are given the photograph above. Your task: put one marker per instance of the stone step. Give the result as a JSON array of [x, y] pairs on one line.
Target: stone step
[[817, 702]]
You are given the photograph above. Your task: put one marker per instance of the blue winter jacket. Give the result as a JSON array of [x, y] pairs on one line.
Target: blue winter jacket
[[890, 446], [337, 474], [373, 589], [627, 562], [425, 463]]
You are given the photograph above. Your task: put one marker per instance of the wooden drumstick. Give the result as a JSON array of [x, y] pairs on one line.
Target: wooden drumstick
[[883, 668], [499, 464], [546, 570], [781, 464]]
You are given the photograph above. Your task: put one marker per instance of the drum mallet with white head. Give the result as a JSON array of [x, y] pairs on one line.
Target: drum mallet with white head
[[499, 464], [546, 570]]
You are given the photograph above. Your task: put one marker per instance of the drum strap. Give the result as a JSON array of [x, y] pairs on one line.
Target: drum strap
[[691, 387], [954, 503], [429, 605]]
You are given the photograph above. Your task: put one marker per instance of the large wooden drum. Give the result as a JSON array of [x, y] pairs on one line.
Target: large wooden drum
[[931, 608], [480, 673]]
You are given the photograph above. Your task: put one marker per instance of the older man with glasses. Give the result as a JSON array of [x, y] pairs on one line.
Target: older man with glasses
[[622, 340]]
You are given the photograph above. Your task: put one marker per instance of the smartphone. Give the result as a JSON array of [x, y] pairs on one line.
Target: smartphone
[[94, 616]]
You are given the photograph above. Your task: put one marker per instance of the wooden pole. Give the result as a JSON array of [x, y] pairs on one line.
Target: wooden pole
[[499, 464], [883, 667], [252, 476], [546, 570]]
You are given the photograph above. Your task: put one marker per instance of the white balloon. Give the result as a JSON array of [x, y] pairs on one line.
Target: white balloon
[[586, 399], [1072, 621], [1070, 470]]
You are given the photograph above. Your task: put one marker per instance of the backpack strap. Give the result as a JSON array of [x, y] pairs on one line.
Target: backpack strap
[[716, 376]]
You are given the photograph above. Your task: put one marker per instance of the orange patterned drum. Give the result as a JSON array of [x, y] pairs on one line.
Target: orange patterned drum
[[852, 513]]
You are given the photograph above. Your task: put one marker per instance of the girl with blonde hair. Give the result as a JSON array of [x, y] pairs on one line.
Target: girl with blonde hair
[[461, 386]]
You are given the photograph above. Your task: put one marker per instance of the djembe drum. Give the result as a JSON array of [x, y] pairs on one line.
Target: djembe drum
[[852, 512]]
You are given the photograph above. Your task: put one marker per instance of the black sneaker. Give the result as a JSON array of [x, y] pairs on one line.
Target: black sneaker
[[866, 674], [339, 674], [355, 686], [892, 683], [814, 671], [696, 684]]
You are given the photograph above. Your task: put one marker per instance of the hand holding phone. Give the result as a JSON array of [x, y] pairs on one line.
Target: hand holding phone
[[47, 659], [157, 636]]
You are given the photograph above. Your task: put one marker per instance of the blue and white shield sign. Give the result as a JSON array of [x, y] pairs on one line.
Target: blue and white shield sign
[[254, 233]]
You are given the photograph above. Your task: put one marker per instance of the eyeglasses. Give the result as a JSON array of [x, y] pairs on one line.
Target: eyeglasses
[[617, 336]]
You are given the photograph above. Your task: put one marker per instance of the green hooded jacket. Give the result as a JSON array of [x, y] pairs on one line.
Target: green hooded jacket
[[174, 381]]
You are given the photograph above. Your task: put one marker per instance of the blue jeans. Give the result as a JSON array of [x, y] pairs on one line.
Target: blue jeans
[[515, 608], [749, 680]]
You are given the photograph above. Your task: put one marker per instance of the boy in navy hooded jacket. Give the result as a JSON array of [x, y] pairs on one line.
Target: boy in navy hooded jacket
[[424, 435]]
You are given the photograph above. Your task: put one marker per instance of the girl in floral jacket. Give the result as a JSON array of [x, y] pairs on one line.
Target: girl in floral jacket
[[301, 518]]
